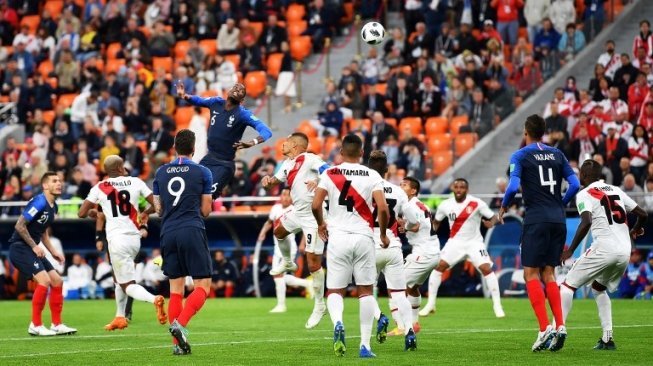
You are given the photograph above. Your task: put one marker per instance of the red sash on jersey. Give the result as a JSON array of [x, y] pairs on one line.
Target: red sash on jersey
[[107, 189], [292, 174], [460, 220], [359, 202]]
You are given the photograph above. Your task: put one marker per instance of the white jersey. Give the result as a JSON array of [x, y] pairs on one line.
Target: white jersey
[[609, 206], [295, 173], [398, 205], [349, 190], [118, 198], [424, 241], [464, 218], [275, 214]]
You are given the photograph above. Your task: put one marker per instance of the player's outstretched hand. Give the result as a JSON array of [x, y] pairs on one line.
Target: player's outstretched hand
[[243, 145], [566, 254], [322, 231], [634, 234], [311, 185], [502, 211], [39, 251], [59, 257], [385, 241], [143, 233], [181, 91]]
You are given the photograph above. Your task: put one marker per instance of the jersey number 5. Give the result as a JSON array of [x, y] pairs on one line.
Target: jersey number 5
[[551, 180], [614, 212], [120, 203]]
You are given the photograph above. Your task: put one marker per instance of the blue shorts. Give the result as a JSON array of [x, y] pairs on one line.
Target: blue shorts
[[24, 259], [542, 244], [185, 252], [222, 171]]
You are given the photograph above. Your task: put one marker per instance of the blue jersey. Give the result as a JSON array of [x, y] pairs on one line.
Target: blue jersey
[[180, 186], [540, 169], [227, 127], [39, 216]]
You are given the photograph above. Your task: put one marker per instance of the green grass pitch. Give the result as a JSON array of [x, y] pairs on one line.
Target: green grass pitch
[[241, 332]]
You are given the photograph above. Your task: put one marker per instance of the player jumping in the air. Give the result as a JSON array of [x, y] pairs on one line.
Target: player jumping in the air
[[182, 196], [228, 122], [283, 279], [540, 169], [300, 172], [118, 196], [603, 208], [29, 258], [465, 213], [351, 189]]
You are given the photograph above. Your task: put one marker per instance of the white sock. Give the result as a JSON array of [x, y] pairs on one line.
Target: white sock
[[435, 279], [567, 299], [377, 312], [285, 245], [394, 311], [605, 312], [280, 287], [367, 306], [138, 292], [121, 301], [293, 281], [404, 311], [318, 286], [336, 306], [415, 303], [493, 286]]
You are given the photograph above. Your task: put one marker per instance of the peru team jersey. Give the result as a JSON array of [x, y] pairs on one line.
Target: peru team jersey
[[118, 198], [275, 214], [609, 206], [296, 172], [349, 190], [464, 218], [398, 205], [424, 241]]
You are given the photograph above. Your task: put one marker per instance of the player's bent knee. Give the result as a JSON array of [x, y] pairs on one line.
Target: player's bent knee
[[337, 291], [598, 287], [485, 269], [43, 279], [55, 279], [442, 266], [314, 262], [365, 290], [280, 232]]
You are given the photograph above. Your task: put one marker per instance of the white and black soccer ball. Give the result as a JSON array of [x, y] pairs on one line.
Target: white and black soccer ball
[[373, 33]]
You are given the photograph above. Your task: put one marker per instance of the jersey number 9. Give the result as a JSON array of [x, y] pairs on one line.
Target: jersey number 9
[[176, 192]]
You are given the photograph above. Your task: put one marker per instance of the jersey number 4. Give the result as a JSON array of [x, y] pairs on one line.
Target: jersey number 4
[[120, 203], [345, 199], [550, 181], [614, 212]]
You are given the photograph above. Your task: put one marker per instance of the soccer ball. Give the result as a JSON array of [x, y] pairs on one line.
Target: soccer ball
[[373, 33]]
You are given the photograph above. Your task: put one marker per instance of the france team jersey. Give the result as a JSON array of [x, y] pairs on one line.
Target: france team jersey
[[540, 170], [39, 216], [227, 127], [180, 186]]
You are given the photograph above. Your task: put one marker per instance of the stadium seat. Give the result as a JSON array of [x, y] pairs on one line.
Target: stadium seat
[[463, 143], [66, 100], [295, 12], [330, 143], [145, 30], [382, 88], [183, 116], [234, 59], [355, 124], [241, 209], [277, 149], [439, 142], [49, 116], [32, 21], [295, 28], [456, 123], [436, 125], [114, 65], [112, 50], [300, 47], [263, 208], [406, 69], [391, 121], [142, 145], [181, 49], [258, 28], [45, 68], [162, 62], [274, 64], [54, 7], [98, 62], [255, 83], [210, 46], [348, 17], [307, 129], [415, 124], [442, 161], [315, 145]]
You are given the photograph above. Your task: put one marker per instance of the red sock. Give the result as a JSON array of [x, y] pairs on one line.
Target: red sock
[[229, 291], [553, 294], [56, 304], [536, 295], [174, 309], [194, 303], [38, 303]]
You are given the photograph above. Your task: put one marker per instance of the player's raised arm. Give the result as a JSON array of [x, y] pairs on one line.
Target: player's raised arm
[[263, 130], [194, 99], [572, 179], [638, 228]]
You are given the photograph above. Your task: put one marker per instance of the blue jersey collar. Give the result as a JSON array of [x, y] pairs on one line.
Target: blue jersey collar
[[181, 160]]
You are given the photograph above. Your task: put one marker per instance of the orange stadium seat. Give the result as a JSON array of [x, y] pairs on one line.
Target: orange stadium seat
[[263, 208], [456, 123], [436, 125], [258, 27], [114, 65], [241, 209], [315, 145], [54, 82], [255, 83], [442, 161], [406, 69], [358, 124], [277, 149], [296, 28], [165, 63], [183, 116], [307, 129], [439, 142], [32, 21], [49, 116], [415, 124], [54, 7], [45, 68], [464, 142], [300, 47], [274, 64], [382, 88], [66, 99], [209, 46], [391, 121], [330, 143], [112, 50], [348, 17], [295, 12], [181, 49], [234, 59]]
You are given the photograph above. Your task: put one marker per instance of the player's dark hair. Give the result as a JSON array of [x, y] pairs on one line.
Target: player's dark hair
[[462, 180], [185, 142], [591, 169], [414, 183], [535, 126], [351, 145], [300, 135], [47, 176], [378, 161]]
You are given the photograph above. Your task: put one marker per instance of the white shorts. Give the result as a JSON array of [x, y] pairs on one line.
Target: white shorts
[[602, 267], [294, 221], [455, 251], [277, 258], [418, 268], [350, 255], [390, 261], [122, 251]]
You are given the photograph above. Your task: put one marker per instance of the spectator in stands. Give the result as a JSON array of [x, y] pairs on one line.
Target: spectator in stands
[[646, 118], [132, 31], [606, 173], [458, 100], [562, 13], [648, 197], [46, 45], [502, 185], [593, 17], [546, 37], [110, 148], [637, 92], [67, 71], [351, 99], [643, 39], [501, 96], [319, 23], [412, 14], [159, 144], [161, 40], [250, 55], [397, 41], [571, 43], [88, 170], [181, 73], [411, 156], [374, 101], [613, 148], [422, 71], [534, 12], [89, 44], [626, 76], [641, 58], [466, 40], [481, 114], [10, 168], [332, 95], [371, 67], [520, 51], [240, 185], [6, 30], [80, 277], [445, 41], [136, 52], [556, 122], [633, 190], [403, 99], [273, 35], [443, 66], [638, 146], [527, 78], [37, 164], [429, 99], [381, 131], [264, 159], [490, 33], [507, 16], [132, 155], [228, 37], [330, 121], [610, 60], [420, 44], [69, 36], [496, 71], [84, 105]]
